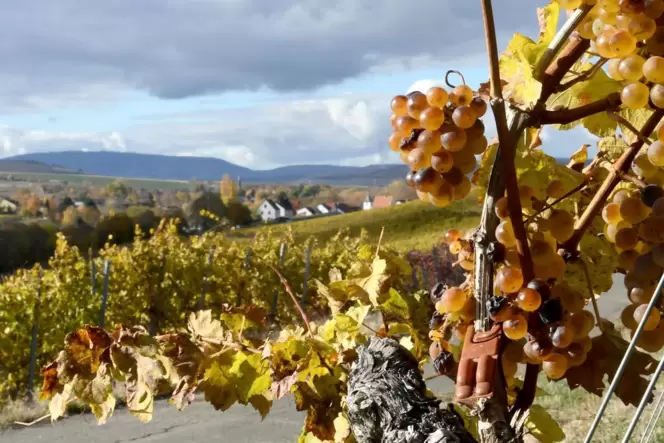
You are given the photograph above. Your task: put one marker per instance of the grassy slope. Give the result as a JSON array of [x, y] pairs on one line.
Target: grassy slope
[[413, 225]]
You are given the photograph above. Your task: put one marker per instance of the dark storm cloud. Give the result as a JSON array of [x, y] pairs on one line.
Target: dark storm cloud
[[85, 49]]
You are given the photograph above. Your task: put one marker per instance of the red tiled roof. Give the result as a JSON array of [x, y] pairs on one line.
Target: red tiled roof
[[382, 201]]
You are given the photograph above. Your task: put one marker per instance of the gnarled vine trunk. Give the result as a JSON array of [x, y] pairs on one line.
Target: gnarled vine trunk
[[387, 401]]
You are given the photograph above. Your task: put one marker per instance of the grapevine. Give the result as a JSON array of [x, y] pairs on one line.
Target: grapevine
[[551, 238]]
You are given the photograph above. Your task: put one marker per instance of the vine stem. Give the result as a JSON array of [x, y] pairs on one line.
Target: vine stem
[[289, 290], [560, 40], [614, 177]]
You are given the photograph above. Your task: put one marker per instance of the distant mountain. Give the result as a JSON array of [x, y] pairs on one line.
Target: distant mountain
[[164, 167], [33, 166]]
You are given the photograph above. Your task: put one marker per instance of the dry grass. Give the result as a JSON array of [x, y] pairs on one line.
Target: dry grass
[[575, 411]]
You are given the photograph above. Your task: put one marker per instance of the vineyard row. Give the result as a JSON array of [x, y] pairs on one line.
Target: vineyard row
[[158, 281]]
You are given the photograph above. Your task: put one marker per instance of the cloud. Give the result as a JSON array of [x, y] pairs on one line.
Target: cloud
[[68, 52]]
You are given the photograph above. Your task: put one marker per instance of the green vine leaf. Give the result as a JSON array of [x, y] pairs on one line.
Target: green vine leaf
[[542, 426]]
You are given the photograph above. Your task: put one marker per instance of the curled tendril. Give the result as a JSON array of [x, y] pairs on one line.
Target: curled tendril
[[447, 75]]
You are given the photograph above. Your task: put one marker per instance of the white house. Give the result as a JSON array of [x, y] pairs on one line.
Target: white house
[[8, 206], [305, 212], [324, 209], [270, 210]]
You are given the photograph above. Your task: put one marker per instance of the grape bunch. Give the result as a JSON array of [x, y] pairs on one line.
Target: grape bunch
[[438, 134], [635, 225], [560, 338], [626, 33]]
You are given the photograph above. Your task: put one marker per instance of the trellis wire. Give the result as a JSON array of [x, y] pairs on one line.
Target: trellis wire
[[104, 294], [625, 360], [275, 298], [247, 264], [307, 266], [644, 401], [654, 419]]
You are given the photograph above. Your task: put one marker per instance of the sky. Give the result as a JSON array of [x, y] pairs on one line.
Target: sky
[[260, 83]]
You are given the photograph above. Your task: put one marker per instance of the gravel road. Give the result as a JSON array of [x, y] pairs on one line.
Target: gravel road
[[199, 422]]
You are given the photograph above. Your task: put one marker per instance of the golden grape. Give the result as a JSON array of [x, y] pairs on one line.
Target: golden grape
[[653, 319], [429, 141], [622, 43], [462, 95], [399, 105], [515, 328], [555, 189], [509, 279], [635, 95], [653, 69], [631, 67], [464, 117], [528, 299], [442, 161], [432, 118], [452, 300], [437, 96], [418, 159], [442, 197], [555, 366], [453, 138], [502, 210], [394, 141], [505, 233], [479, 106], [633, 211], [405, 124], [611, 213], [561, 225], [562, 336]]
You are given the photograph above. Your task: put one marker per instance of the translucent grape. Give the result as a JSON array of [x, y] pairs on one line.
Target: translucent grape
[[465, 161], [464, 117], [417, 102], [399, 105], [418, 159], [622, 43], [642, 27], [633, 211], [653, 319], [562, 336], [642, 167], [453, 139], [575, 354], [635, 95], [561, 225], [641, 294], [405, 124], [429, 141], [653, 8], [528, 299], [442, 196], [555, 366], [512, 258], [658, 207], [611, 213], [555, 189], [653, 69], [462, 95], [432, 118], [452, 300], [394, 141], [479, 106], [437, 96], [477, 145], [452, 235], [626, 259], [631, 67], [541, 252], [509, 279], [582, 323], [656, 153], [515, 328], [453, 176], [442, 161], [462, 190], [613, 69], [502, 210], [538, 350], [505, 234], [427, 179], [627, 238], [621, 196]]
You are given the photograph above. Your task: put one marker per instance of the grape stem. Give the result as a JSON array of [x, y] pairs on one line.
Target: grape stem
[[621, 120], [569, 193], [626, 176], [452, 71], [598, 323], [620, 168], [569, 115], [586, 75]]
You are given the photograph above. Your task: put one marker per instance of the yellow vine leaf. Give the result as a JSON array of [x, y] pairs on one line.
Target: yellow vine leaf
[[612, 146], [597, 87], [542, 426], [518, 61], [638, 118]]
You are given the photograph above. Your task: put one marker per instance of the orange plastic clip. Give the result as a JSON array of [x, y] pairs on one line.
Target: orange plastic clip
[[478, 364]]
